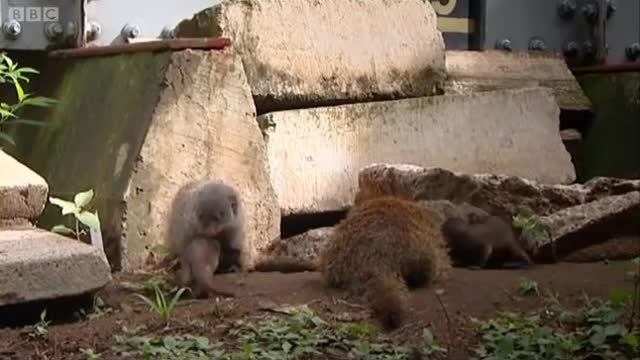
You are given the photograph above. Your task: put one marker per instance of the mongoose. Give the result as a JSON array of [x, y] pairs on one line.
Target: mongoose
[[207, 211], [479, 242], [382, 248]]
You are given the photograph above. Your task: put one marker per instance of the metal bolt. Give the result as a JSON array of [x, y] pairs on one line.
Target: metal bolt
[[633, 51], [53, 30], [537, 44], [503, 44], [590, 12], [94, 30], [168, 32], [611, 8], [571, 49], [130, 31], [71, 30], [566, 9], [12, 29], [588, 48]]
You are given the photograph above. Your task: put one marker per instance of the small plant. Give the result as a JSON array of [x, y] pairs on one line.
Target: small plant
[[159, 304], [41, 328], [79, 209], [168, 347], [12, 74], [91, 355], [595, 330], [528, 287]]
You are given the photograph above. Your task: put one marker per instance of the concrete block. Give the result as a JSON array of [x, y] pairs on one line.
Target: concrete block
[[204, 126], [302, 53], [37, 265], [180, 115], [23, 193], [473, 71], [315, 154]]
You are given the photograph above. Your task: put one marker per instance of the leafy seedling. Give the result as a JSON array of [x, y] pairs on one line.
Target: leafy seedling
[[528, 287], [41, 328], [79, 209], [159, 303]]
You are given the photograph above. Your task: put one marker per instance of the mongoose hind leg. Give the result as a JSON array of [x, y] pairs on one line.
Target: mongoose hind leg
[[201, 259]]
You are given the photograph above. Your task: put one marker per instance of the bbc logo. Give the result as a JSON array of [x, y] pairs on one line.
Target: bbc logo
[[34, 14]]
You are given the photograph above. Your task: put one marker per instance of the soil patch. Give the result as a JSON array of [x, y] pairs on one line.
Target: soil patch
[[467, 293]]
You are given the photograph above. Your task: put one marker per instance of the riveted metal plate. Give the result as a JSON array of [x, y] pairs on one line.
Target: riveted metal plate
[[457, 20], [26, 23], [150, 17]]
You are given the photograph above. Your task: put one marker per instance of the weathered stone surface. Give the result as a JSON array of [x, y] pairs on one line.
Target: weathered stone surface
[[315, 154], [304, 246], [23, 193], [180, 115], [593, 222], [472, 71], [37, 265], [301, 53], [203, 126], [498, 194], [617, 248]]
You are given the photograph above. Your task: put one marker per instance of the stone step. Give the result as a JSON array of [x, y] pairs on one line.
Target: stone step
[[315, 154], [23, 193], [38, 265]]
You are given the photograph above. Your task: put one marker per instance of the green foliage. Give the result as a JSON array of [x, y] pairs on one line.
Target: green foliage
[[10, 73], [531, 226], [80, 210], [159, 303], [594, 330], [41, 328], [528, 287], [91, 355], [301, 335], [168, 347]]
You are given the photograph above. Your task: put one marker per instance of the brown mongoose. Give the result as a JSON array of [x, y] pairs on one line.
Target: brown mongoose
[[211, 211], [382, 248], [479, 242]]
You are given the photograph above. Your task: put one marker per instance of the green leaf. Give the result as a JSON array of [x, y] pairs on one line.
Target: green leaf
[[82, 199], [89, 219], [28, 70], [19, 90], [7, 113], [39, 101], [62, 230], [26, 122], [7, 138], [67, 206]]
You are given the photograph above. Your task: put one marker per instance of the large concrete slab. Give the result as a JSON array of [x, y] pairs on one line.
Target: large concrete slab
[[203, 126], [37, 265], [315, 154], [23, 193], [302, 53], [180, 116], [472, 71]]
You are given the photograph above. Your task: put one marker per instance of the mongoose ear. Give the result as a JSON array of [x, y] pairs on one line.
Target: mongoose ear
[[233, 201]]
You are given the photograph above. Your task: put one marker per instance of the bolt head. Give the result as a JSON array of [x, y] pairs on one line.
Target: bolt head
[[566, 8], [504, 44], [633, 51]]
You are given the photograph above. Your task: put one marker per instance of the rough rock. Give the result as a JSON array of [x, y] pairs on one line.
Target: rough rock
[[38, 265], [304, 246], [497, 194], [472, 71], [302, 53], [593, 222], [23, 193], [617, 248], [203, 127], [315, 154]]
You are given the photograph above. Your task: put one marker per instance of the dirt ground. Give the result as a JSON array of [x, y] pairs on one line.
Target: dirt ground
[[467, 293]]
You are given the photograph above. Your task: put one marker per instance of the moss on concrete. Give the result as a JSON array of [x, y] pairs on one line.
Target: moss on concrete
[[612, 143], [95, 132]]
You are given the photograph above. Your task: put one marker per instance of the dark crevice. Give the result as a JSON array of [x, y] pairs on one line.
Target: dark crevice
[[297, 224], [59, 311]]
